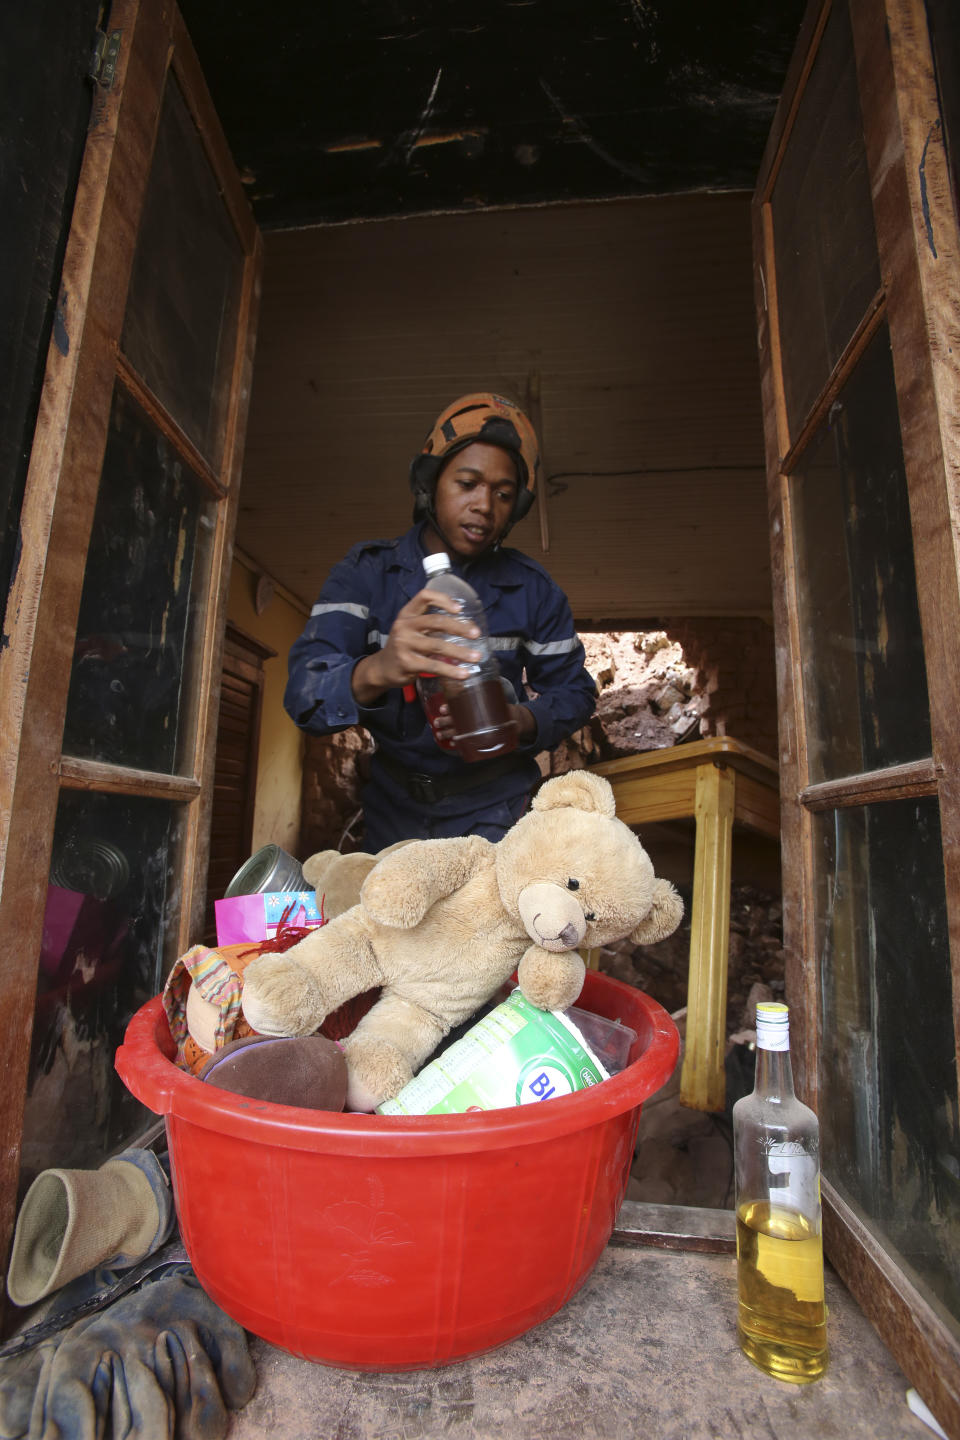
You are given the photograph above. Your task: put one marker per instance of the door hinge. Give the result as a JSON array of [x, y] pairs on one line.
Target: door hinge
[[103, 61]]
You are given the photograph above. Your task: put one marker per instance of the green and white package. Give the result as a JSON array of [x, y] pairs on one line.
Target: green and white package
[[516, 1055]]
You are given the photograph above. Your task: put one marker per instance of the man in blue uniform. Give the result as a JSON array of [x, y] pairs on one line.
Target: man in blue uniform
[[375, 628]]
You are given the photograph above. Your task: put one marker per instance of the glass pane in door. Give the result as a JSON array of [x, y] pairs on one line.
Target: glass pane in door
[[888, 1076], [181, 321], [824, 240], [864, 676], [111, 910], [135, 680]]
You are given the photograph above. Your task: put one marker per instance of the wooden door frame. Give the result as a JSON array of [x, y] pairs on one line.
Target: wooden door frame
[[919, 251], [244, 656], [243, 659], [83, 364]]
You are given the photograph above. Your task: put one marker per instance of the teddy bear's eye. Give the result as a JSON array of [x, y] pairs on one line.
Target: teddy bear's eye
[[589, 915], [573, 884]]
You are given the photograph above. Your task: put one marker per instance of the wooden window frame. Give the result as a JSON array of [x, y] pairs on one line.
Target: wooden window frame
[[57, 515], [919, 252]]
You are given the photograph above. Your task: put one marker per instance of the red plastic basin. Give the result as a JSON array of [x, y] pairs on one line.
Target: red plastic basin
[[377, 1242]]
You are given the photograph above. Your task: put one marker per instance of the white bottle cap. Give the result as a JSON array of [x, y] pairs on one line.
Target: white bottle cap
[[435, 563], [773, 1025]]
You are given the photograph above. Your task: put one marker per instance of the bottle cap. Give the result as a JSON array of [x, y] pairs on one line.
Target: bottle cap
[[773, 1025], [434, 563]]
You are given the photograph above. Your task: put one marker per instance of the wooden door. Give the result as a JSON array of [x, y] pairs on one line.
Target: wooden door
[[110, 673], [857, 270]]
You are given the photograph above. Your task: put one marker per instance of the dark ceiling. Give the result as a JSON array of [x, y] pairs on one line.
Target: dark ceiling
[[373, 108]]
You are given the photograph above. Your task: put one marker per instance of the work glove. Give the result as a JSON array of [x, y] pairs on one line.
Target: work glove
[[162, 1363], [74, 1221]]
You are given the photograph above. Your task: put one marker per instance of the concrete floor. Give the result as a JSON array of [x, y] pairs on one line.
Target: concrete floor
[[647, 1348]]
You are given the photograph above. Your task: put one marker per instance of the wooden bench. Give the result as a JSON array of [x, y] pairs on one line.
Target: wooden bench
[[718, 782]]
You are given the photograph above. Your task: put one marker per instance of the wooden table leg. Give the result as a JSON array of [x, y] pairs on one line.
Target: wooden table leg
[[702, 1078]]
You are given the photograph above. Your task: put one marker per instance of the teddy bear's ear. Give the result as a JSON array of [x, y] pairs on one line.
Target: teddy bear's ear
[[662, 918], [317, 866], [578, 790]]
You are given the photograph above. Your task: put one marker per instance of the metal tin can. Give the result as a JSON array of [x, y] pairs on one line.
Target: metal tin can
[[269, 868]]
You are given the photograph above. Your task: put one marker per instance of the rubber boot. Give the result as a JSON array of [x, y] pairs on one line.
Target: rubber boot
[[72, 1221]]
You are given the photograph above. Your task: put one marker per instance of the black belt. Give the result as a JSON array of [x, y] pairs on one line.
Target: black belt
[[428, 789]]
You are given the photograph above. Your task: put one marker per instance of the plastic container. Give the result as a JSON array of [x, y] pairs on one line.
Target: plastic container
[[478, 703], [376, 1242], [432, 697], [514, 1055], [609, 1040]]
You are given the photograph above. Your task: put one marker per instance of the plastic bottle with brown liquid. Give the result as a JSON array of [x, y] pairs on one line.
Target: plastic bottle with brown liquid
[[432, 698], [781, 1314], [477, 702]]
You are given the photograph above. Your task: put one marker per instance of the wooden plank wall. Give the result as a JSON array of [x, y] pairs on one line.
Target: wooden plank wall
[[637, 315]]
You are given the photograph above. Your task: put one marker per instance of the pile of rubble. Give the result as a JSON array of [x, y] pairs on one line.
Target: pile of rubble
[[648, 698]]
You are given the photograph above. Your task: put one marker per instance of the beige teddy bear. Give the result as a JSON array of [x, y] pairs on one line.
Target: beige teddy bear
[[338, 878], [441, 924]]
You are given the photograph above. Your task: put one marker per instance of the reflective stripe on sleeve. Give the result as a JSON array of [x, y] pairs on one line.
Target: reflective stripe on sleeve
[[344, 608], [535, 647], [552, 647]]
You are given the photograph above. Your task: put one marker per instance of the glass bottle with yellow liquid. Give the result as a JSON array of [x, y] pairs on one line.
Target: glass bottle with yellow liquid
[[782, 1317]]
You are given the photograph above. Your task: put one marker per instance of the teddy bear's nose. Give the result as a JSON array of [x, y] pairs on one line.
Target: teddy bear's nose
[[551, 915]]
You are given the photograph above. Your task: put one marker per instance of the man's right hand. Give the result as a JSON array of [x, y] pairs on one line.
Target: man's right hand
[[414, 647]]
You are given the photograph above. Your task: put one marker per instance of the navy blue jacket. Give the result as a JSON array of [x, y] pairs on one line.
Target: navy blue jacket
[[532, 632]]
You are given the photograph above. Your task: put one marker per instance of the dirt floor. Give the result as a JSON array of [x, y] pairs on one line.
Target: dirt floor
[[647, 1348]]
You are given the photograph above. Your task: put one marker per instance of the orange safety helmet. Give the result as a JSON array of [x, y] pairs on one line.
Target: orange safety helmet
[[490, 419]]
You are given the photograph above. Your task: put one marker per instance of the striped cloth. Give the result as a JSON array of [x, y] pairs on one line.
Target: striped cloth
[[216, 973]]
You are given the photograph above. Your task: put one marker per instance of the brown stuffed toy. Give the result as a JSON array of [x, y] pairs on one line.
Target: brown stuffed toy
[[310, 1072]]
